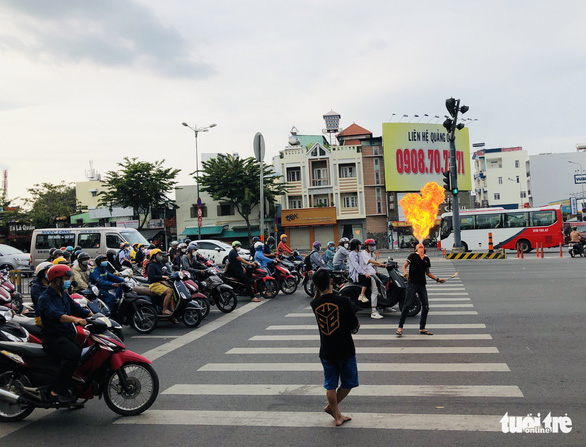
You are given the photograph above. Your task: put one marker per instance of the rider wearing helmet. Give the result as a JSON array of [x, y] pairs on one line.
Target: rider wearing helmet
[[315, 257], [81, 272], [368, 263], [57, 311], [264, 261], [139, 255], [359, 275], [236, 269], [181, 251], [40, 283], [75, 254], [283, 249], [252, 248], [51, 251], [105, 281], [174, 250], [156, 274], [341, 255], [57, 253], [328, 257], [190, 262], [124, 258]]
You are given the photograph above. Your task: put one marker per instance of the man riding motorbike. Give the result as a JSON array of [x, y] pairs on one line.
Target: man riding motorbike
[[315, 257], [341, 256], [283, 249], [190, 262], [81, 272], [329, 254], [105, 281]]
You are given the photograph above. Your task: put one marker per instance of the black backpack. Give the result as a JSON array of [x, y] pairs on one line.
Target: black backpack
[[307, 262]]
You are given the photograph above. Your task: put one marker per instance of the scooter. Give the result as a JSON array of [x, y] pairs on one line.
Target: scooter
[[395, 288], [9, 297], [201, 298], [127, 381], [218, 293], [286, 281], [12, 331], [340, 277], [261, 282]]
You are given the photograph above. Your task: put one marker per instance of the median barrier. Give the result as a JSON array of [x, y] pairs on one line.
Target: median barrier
[[496, 255]]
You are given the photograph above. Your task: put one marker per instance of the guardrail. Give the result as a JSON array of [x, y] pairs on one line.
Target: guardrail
[[21, 281]]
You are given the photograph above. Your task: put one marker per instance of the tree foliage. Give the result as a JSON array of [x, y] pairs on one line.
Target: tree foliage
[[49, 201], [235, 180], [139, 185]]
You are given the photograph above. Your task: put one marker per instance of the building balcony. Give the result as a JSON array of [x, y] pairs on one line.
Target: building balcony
[[294, 188], [349, 184], [320, 183]]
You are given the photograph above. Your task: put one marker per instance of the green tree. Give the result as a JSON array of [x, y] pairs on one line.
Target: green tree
[[49, 201], [237, 181], [139, 185]]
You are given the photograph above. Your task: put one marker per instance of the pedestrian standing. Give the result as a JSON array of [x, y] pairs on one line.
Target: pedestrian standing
[[419, 266], [337, 322]]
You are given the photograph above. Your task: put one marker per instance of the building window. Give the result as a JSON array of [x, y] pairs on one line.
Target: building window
[[193, 211], [376, 163], [377, 178], [294, 175], [500, 180], [379, 201], [320, 201], [516, 163], [497, 196], [517, 179], [350, 201], [95, 193], [523, 195], [225, 209], [295, 202], [347, 171], [320, 177], [375, 150]]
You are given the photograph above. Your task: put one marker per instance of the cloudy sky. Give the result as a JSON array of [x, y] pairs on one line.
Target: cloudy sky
[[100, 80]]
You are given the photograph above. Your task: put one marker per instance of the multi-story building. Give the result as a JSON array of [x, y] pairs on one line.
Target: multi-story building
[[502, 178]]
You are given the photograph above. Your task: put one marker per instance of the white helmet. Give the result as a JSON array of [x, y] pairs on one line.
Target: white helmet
[[258, 245], [43, 266]]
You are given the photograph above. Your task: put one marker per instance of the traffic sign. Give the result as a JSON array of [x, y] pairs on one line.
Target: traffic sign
[[259, 147], [199, 221], [199, 212], [199, 201]]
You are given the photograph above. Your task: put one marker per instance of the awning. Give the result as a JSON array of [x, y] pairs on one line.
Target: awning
[[236, 234], [212, 230]]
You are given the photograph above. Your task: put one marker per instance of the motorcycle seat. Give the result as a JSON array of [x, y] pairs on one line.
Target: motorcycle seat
[[24, 349]]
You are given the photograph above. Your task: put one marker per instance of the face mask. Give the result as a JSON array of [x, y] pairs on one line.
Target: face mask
[[84, 263], [104, 264], [183, 251], [332, 248], [372, 248], [159, 258], [66, 285], [346, 245]]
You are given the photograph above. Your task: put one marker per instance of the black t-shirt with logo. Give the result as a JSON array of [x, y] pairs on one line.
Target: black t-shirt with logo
[[417, 268], [336, 320], [235, 265]]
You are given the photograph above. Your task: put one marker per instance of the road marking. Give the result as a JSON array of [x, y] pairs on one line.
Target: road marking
[[378, 421], [373, 350], [9, 428], [155, 336], [195, 334], [246, 389], [363, 367], [452, 305], [439, 293], [436, 288], [313, 337], [451, 312], [449, 299], [300, 327]]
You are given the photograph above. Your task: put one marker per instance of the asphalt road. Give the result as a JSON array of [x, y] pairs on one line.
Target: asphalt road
[[507, 340]]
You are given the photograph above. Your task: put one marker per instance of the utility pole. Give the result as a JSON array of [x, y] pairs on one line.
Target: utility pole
[[259, 152]]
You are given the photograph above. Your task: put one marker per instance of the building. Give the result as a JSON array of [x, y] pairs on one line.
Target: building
[[502, 178]]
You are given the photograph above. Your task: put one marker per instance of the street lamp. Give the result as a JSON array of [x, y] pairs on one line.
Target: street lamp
[[581, 180], [520, 189], [197, 130]]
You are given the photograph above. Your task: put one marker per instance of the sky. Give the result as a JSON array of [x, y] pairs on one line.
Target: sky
[[103, 80]]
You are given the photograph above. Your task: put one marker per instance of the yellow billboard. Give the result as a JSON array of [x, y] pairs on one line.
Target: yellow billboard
[[418, 153]]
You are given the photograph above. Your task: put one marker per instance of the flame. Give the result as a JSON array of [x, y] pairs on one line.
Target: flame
[[421, 210]]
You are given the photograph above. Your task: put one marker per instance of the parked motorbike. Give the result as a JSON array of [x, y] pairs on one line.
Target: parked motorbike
[[12, 331], [9, 297], [127, 381], [395, 288], [261, 282]]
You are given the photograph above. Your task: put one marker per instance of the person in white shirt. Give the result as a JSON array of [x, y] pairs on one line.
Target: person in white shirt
[[362, 272]]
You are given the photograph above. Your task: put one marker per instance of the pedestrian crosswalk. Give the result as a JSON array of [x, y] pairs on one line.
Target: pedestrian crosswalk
[[458, 362]]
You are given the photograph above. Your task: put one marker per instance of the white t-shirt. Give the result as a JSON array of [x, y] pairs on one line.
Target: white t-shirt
[[365, 256]]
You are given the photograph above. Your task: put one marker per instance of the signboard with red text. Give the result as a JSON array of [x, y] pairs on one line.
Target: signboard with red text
[[418, 153]]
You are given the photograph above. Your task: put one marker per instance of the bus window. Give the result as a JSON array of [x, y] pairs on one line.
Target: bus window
[[89, 240], [446, 227], [113, 241], [46, 241], [516, 220], [488, 221], [542, 218], [466, 223]]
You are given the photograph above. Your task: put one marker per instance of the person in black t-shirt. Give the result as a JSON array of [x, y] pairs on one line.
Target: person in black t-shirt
[[419, 266], [237, 271], [337, 322]]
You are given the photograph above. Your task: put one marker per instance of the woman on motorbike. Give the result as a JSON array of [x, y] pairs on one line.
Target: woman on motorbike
[[328, 256]]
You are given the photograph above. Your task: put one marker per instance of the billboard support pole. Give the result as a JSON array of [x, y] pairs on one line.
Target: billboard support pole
[[454, 180]]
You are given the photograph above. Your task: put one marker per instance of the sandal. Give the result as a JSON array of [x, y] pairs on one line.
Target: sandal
[[399, 332], [255, 300], [167, 312], [425, 332]]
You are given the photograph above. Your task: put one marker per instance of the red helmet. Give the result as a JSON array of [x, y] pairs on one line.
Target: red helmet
[[57, 271], [369, 242]]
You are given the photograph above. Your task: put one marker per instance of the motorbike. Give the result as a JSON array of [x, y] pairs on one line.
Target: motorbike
[[127, 381], [340, 277], [292, 267], [261, 282], [286, 281], [218, 293], [194, 289], [9, 297], [12, 331], [184, 307], [395, 288], [577, 249]]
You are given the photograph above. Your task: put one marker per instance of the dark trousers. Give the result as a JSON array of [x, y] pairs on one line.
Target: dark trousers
[[243, 278], [409, 297], [67, 349]]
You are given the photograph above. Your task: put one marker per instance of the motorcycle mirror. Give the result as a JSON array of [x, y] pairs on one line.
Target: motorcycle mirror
[[95, 290]]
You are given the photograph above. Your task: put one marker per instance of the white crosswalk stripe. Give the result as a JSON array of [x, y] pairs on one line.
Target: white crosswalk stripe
[[364, 367], [372, 350], [431, 312], [382, 326], [386, 337]]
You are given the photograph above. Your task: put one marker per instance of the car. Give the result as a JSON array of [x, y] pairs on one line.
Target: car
[[13, 259], [218, 250]]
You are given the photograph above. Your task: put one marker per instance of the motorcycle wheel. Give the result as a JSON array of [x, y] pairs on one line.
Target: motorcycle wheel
[[13, 412], [289, 286], [297, 277], [572, 252], [414, 309], [205, 305], [309, 288], [144, 319], [227, 301], [143, 388], [270, 289], [192, 317]]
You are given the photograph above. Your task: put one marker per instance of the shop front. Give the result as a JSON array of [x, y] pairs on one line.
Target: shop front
[[304, 226]]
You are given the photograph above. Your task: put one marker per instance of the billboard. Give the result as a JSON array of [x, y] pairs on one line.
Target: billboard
[[418, 153]]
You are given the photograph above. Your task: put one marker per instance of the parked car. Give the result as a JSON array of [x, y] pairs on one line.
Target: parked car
[[218, 250], [13, 259]]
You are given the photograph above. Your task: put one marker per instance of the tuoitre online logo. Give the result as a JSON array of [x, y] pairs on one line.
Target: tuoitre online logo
[[534, 424]]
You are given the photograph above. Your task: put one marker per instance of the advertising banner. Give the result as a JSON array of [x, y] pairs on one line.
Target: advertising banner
[[418, 153]]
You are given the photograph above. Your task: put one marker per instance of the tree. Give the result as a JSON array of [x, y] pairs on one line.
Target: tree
[[49, 201], [139, 185], [237, 181]]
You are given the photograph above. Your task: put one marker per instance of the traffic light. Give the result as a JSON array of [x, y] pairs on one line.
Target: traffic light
[[452, 106], [455, 191], [447, 181]]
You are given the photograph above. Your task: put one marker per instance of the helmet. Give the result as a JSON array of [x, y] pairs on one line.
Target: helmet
[[99, 259], [124, 244], [139, 246], [187, 240], [42, 267], [174, 244], [155, 252], [58, 271], [59, 260], [69, 248], [369, 242], [182, 246], [152, 246], [343, 241], [57, 253], [258, 245], [331, 243], [316, 244], [355, 243], [236, 244], [270, 240], [51, 251], [135, 245], [83, 255], [77, 247], [192, 246], [67, 255], [283, 236], [255, 239]]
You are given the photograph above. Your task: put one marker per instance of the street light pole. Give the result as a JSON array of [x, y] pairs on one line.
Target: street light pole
[[196, 131], [581, 183]]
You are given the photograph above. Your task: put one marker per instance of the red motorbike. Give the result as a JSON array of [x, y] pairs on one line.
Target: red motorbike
[[9, 297], [287, 282], [196, 295], [261, 282], [127, 381]]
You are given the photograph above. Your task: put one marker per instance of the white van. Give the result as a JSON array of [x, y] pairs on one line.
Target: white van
[[95, 240]]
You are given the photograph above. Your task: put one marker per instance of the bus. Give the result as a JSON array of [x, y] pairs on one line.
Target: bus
[[511, 229]]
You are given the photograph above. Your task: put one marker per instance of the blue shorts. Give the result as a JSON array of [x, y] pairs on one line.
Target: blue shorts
[[344, 371]]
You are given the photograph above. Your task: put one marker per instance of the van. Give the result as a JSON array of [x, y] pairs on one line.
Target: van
[[94, 241]]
